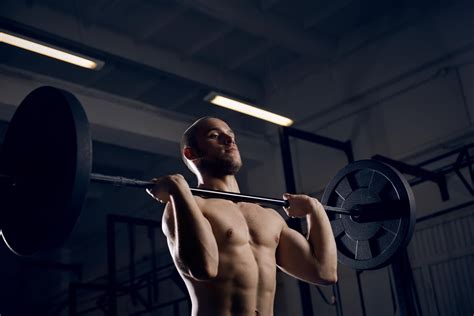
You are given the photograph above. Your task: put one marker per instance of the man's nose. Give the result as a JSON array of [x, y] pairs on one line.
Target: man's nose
[[227, 139]]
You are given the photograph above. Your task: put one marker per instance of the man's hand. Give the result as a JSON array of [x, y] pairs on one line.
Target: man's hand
[[301, 205], [165, 186]]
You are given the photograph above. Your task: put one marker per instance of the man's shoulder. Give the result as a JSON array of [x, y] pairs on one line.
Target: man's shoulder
[[209, 205], [200, 201]]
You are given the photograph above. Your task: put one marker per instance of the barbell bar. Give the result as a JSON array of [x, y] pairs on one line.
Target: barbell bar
[[216, 194], [206, 193]]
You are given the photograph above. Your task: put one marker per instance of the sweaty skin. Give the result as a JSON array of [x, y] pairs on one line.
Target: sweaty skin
[[227, 253]]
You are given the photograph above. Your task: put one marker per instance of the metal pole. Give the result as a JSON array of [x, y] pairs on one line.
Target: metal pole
[[404, 285], [111, 267], [361, 293], [305, 292], [72, 299], [337, 296]]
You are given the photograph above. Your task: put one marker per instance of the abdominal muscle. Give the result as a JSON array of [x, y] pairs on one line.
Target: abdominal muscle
[[244, 285]]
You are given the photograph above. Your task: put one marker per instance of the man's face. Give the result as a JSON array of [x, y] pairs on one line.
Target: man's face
[[218, 153]]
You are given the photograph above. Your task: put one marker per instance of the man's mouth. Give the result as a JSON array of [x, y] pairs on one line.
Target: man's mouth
[[231, 151], [233, 148]]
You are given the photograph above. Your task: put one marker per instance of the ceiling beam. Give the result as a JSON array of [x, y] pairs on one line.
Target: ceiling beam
[[266, 5], [184, 98], [141, 89], [117, 120], [211, 38], [249, 18], [375, 31], [97, 9], [253, 52], [164, 17], [279, 79], [125, 47], [332, 8], [100, 75]]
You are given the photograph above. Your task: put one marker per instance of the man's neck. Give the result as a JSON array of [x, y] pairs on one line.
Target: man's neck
[[226, 183]]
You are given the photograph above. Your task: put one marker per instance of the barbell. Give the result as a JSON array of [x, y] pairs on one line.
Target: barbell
[[45, 169]]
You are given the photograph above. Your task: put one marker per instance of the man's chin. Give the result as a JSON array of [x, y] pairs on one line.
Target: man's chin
[[222, 167], [231, 168], [234, 170]]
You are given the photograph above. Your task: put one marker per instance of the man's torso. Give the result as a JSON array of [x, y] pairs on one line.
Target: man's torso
[[247, 236]]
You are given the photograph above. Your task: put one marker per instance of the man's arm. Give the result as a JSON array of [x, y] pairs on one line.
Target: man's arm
[[190, 238], [313, 259]]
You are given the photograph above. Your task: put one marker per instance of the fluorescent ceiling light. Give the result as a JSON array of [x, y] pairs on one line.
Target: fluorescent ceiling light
[[248, 109], [48, 50]]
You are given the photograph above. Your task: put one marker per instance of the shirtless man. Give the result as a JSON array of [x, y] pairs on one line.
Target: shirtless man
[[227, 252]]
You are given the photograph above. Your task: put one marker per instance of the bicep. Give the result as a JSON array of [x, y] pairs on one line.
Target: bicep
[[291, 248], [168, 228], [295, 256], [167, 222]]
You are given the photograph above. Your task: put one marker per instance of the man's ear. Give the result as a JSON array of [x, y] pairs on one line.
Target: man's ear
[[189, 153]]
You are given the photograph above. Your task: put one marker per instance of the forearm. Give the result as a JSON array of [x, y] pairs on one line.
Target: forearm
[[195, 244], [321, 239]]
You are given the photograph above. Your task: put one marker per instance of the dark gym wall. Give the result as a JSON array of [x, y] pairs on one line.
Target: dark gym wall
[[406, 96]]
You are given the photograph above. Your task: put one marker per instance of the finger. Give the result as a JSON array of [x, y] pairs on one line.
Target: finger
[[155, 180], [287, 211], [286, 208], [152, 190], [163, 198], [149, 192], [154, 195]]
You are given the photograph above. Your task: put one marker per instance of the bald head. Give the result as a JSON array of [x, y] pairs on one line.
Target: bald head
[[199, 147], [190, 136]]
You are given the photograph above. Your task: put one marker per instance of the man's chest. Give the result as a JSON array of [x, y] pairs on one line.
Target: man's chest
[[242, 223]]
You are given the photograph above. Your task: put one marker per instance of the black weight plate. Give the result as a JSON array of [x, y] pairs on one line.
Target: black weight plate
[[370, 244], [47, 152]]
